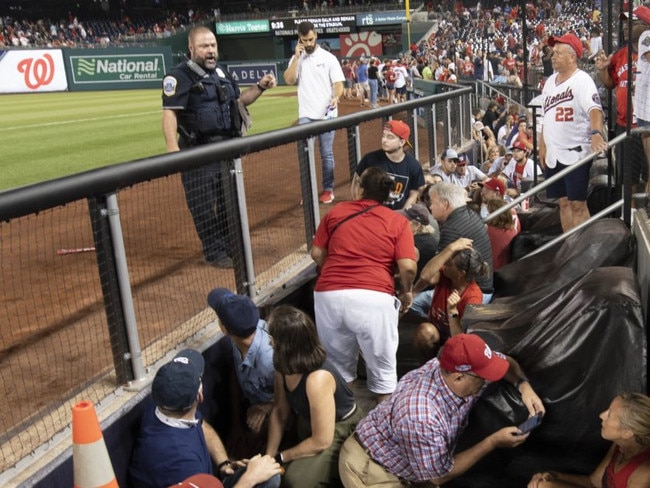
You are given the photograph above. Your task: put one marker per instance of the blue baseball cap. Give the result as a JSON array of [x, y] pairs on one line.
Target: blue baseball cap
[[177, 383]]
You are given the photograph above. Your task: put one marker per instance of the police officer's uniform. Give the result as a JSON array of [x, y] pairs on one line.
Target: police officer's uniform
[[206, 110]]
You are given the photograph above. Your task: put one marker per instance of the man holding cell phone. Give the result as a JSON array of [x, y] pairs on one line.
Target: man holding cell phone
[[320, 85], [411, 436]]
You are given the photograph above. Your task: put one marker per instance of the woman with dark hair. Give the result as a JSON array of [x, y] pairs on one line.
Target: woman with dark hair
[[358, 246], [627, 463], [309, 387], [455, 287]]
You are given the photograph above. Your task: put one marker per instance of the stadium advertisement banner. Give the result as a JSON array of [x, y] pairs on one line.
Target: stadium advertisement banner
[[242, 27], [117, 69], [381, 18], [31, 71], [250, 73], [333, 24]]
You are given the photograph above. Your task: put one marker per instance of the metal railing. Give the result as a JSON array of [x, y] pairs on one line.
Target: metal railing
[[102, 272]]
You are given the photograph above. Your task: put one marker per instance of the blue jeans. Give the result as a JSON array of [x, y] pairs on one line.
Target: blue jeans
[[422, 302], [374, 86], [326, 146]]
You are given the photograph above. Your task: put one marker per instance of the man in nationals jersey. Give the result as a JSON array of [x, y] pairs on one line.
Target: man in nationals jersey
[[572, 127]]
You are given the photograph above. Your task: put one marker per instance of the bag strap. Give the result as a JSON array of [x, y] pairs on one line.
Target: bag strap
[[351, 216]]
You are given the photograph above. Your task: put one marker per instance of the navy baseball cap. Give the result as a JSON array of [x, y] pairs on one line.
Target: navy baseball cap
[[238, 313], [177, 383]]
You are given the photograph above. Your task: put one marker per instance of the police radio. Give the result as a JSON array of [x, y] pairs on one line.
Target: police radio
[[198, 86]]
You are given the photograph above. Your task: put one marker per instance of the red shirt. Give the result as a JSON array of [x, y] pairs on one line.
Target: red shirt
[[501, 240], [618, 73], [618, 479], [510, 64], [362, 252], [438, 311]]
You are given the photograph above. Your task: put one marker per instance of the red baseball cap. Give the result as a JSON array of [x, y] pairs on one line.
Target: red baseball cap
[[519, 145], [570, 39], [399, 128], [199, 481], [641, 13], [468, 353], [495, 184]]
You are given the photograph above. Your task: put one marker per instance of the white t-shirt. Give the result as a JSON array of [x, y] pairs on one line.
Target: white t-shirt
[[527, 174], [641, 101], [317, 72], [566, 107], [402, 76]]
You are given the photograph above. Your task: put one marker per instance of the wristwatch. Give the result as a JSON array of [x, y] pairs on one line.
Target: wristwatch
[[279, 458], [596, 131]]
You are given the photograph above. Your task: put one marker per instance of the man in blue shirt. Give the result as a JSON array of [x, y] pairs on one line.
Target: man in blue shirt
[[174, 442], [248, 343]]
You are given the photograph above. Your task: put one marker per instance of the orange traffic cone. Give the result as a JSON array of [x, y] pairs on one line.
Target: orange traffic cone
[[92, 465]]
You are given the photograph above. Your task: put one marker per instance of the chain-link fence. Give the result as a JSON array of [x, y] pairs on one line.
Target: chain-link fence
[[103, 273]]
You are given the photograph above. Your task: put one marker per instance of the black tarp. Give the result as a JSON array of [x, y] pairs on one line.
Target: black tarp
[[572, 317]]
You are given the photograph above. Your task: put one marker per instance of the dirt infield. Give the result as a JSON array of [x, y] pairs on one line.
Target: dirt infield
[[55, 339]]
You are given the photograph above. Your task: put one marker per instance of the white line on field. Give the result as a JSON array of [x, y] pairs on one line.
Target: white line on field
[[76, 121]]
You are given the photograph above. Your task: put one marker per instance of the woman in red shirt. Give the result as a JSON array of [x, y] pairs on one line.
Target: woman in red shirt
[[627, 464]]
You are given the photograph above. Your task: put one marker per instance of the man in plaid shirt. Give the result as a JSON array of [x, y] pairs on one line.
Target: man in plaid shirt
[[411, 437]]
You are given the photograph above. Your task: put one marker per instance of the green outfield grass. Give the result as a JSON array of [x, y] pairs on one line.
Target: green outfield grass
[[48, 135]]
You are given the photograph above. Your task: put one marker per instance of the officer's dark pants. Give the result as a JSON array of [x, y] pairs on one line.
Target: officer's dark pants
[[205, 200]]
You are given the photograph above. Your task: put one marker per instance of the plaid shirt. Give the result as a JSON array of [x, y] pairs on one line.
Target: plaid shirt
[[413, 433]]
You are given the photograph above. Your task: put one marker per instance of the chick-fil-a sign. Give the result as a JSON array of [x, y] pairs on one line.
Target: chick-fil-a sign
[[35, 70]]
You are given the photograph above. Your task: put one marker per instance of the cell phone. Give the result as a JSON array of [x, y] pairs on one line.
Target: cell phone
[[530, 423]]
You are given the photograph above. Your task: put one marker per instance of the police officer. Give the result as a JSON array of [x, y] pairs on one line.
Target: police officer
[[200, 106]]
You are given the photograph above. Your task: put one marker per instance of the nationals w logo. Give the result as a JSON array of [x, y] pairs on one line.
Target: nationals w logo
[[37, 71]]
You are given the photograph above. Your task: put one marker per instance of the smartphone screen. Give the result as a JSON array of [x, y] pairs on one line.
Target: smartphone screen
[[530, 423]]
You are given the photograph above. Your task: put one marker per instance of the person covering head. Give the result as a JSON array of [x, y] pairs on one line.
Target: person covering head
[[468, 353], [495, 184], [176, 384], [237, 313], [570, 39], [417, 212], [400, 129]]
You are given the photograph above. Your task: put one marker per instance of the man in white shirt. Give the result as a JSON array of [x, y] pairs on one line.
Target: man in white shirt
[[320, 85]]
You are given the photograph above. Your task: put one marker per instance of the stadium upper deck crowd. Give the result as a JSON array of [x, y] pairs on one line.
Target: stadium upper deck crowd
[[466, 27]]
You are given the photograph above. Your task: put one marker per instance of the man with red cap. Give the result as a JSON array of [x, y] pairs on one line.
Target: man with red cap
[[410, 436], [572, 128], [520, 167], [400, 166]]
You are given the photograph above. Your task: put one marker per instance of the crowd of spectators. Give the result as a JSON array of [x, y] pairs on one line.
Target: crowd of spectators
[[487, 43], [74, 32]]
